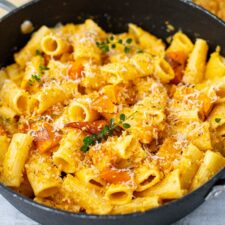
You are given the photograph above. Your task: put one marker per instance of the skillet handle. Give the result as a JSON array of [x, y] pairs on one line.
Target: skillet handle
[[6, 6]]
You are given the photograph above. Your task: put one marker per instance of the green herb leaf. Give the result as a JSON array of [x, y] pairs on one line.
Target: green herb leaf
[[122, 117], [104, 132], [110, 43], [113, 46], [126, 125], [107, 131], [84, 148], [110, 132], [36, 77], [38, 52], [104, 46], [105, 49], [111, 122], [43, 68], [126, 49], [94, 136], [129, 40], [217, 120], [88, 140]]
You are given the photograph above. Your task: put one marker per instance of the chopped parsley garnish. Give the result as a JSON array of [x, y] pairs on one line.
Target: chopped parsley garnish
[[37, 77], [126, 44], [110, 43], [129, 40], [43, 68], [126, 125], [113, 46], [126, 49], [38, 52], [34, 78], [217, 120], [111, 38], [107, 131], [104, 47]]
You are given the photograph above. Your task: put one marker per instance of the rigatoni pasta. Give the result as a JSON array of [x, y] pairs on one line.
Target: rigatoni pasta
[[107, 123], [14, 97], [45, 178], [196, 64], [68, 155], [15, 158]]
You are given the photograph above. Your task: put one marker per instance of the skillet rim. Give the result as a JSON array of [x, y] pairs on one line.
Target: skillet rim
[[187, 2], [31, 202]]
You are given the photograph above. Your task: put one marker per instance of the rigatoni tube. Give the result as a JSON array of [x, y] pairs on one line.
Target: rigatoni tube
[[15, 159], [54, 46], [196, 63], [87, 198], [14, 97], [68, 156], [119, 194], [43, 176]]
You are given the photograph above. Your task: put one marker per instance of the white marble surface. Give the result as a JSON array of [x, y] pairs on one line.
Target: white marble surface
[[211, 212]]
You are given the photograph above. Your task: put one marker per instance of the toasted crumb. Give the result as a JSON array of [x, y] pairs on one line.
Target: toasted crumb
[[27, 27]]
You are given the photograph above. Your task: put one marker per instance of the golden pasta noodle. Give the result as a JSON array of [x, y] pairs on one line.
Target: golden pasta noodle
[[163, 71], [215, 67], [168, 188], [68, 155], [119, 194], [212, 163], [189, 164], [31, 47], [14, 97], [181, 43], [54, 46], [4, 143], [86, 197], [194, 72], [91, 178], [15, 158], [8, 113], [80, 111], [49, 96], [137, 205], [146, 177], [43, 176], [3, 76], [148, 41]]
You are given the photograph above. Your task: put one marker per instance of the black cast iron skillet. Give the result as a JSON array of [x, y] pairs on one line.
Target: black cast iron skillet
[[112, 15]]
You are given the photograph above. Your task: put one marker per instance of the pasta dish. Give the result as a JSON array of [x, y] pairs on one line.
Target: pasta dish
[[106, 123]]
